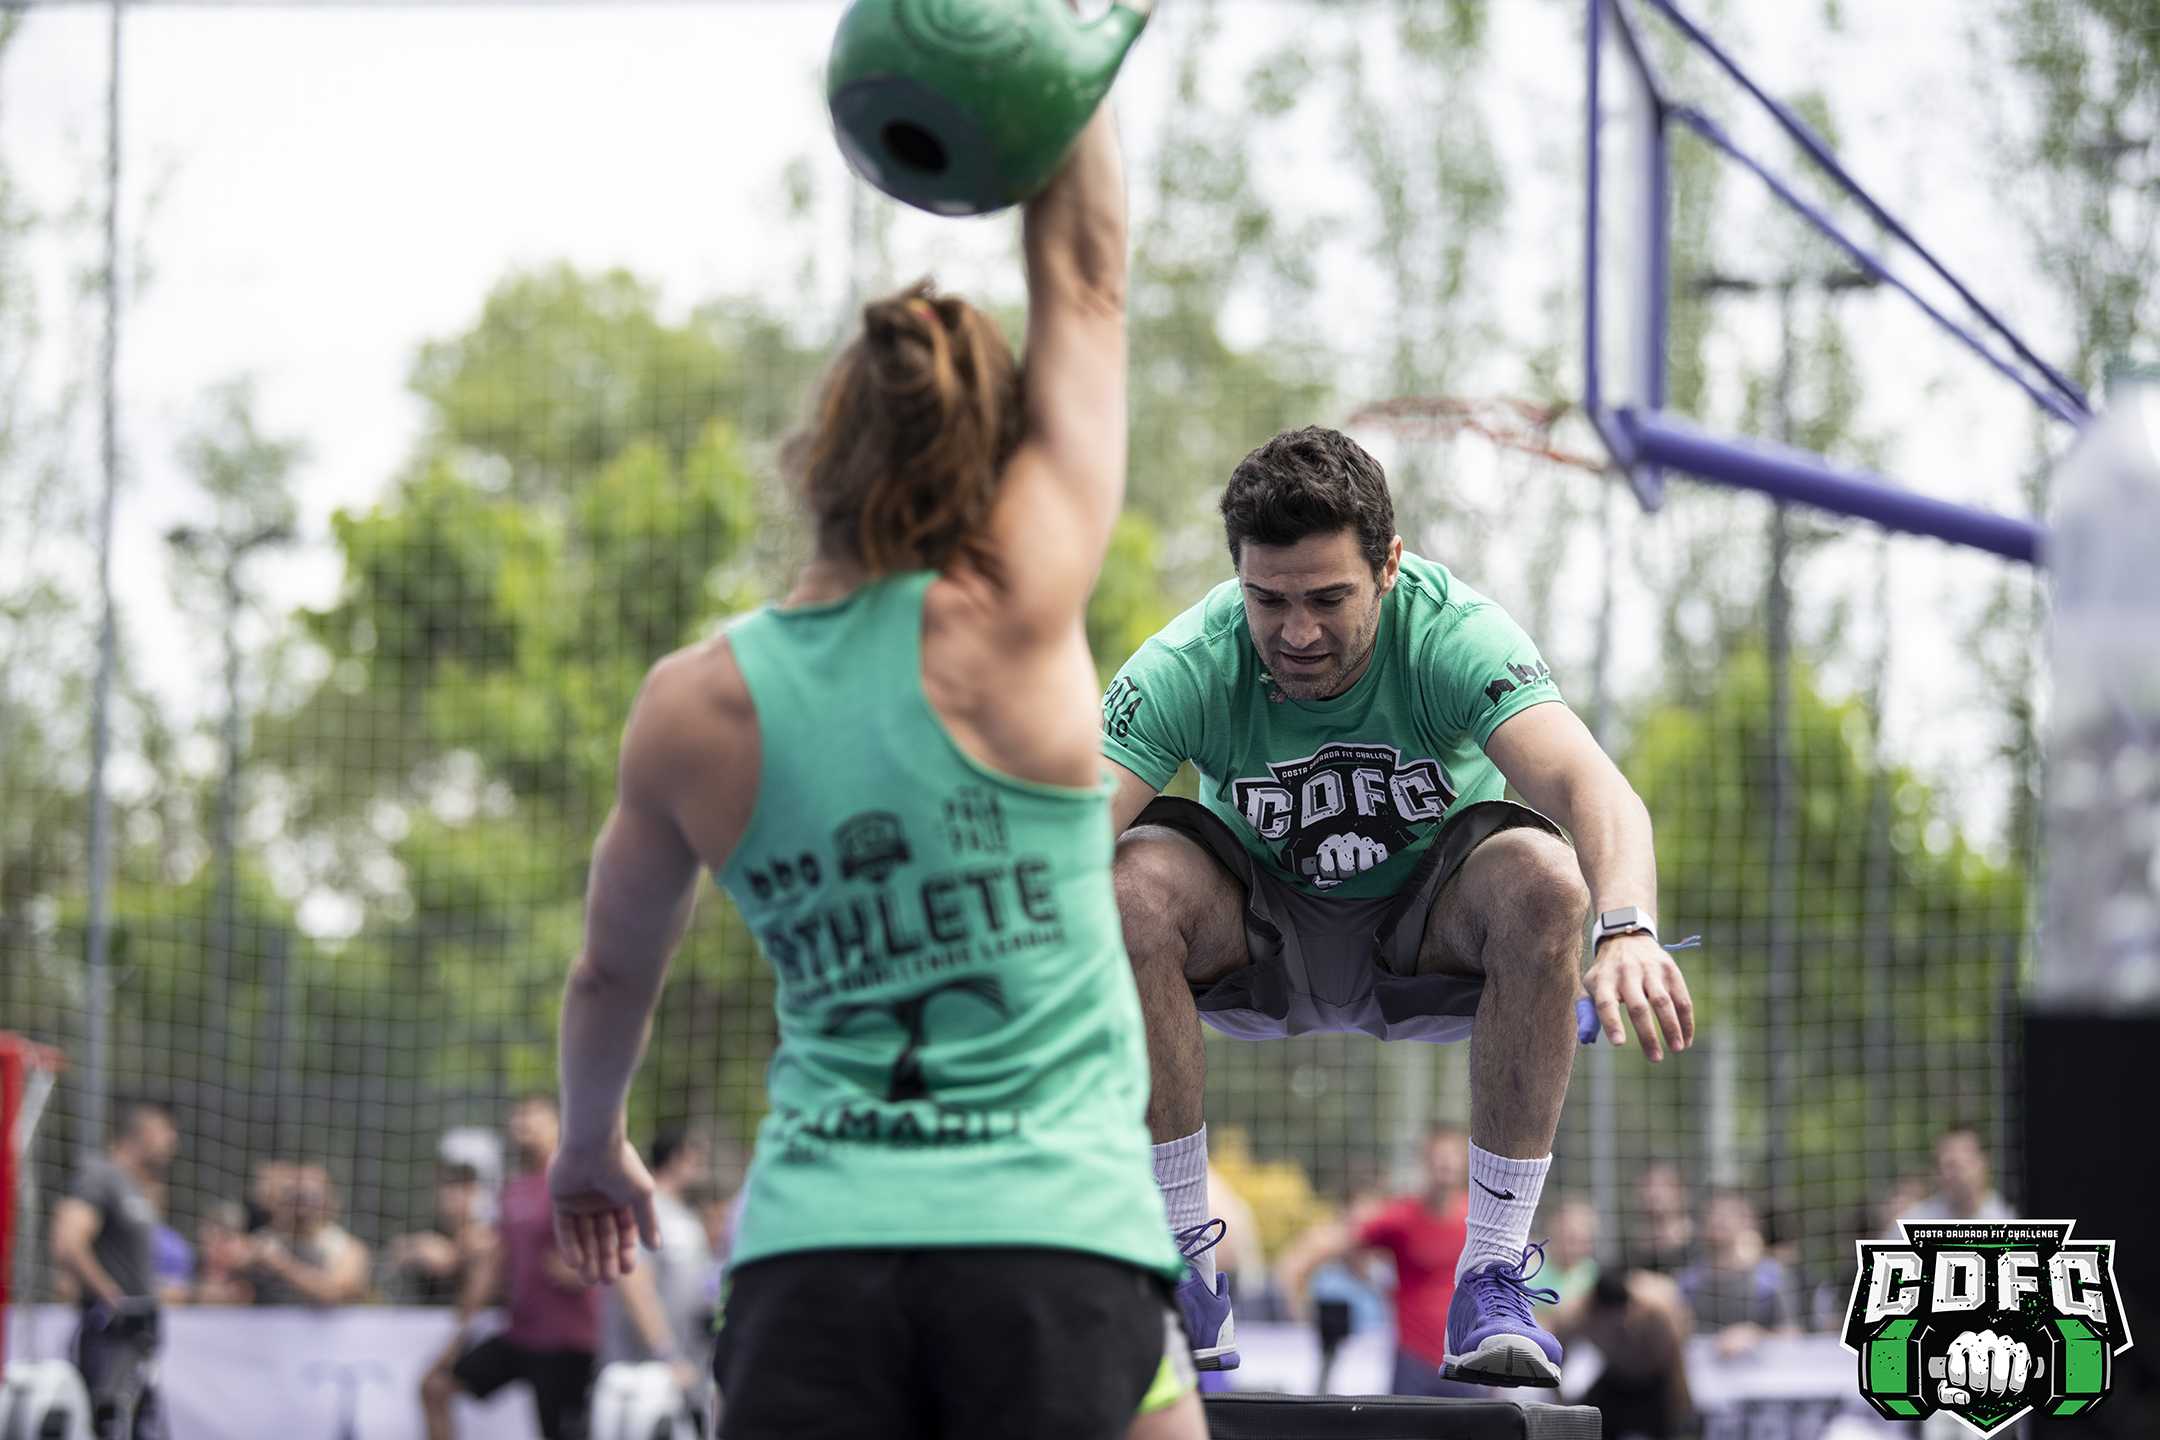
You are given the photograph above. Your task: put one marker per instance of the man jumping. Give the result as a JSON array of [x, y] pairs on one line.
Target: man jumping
[[1355, 714]]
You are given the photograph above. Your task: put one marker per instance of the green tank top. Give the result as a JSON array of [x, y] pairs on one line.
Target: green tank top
[[961, 1059]]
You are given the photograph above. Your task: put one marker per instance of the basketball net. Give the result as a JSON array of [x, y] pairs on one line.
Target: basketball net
[[1524, 426]]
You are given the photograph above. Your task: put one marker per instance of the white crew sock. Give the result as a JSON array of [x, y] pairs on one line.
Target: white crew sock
[[1181, 1175], [1503, 1200]]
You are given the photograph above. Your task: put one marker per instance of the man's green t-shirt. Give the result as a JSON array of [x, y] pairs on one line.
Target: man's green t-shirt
[[1383, 763]]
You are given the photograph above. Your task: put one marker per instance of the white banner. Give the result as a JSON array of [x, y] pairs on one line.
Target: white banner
[[276, 1374]]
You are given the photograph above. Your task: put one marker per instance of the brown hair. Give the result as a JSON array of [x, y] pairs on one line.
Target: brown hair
[[1313, 481], [910, 431]]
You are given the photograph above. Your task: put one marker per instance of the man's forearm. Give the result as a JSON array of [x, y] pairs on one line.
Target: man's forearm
[[1611, 830], [91, 1276], [641, 1299], [606, 1018], [1319, 1246], [480, 1280], [317, 1284]]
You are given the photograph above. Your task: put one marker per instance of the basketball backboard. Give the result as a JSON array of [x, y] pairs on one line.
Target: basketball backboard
[[1627, 293]]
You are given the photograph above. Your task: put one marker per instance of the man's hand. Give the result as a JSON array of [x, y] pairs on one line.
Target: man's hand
[[1634, 973], [1734, 1341], [268, 1252], [426, 1251], [603, 1207]]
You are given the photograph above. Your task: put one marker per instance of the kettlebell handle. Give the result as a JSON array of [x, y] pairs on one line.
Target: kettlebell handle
[[1141, 8]]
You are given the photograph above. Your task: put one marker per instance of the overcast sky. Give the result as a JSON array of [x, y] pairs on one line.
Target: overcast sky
[[319, 190]]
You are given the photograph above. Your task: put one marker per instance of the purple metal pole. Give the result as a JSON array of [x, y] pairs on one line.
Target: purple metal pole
[[1807, 479], [1593, 397], [1648, 481]]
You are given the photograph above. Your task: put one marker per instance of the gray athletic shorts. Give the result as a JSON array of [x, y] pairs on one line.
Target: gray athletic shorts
[[1322, 964]]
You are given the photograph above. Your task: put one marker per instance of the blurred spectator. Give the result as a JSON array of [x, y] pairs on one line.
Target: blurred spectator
[[662, 1310], [102, 1235], [1663, 1237], [268, 1186], [303, 1256], [428, 1267], [1361, 1281], [1738, 1293], [174, 1261], [710, 1204], [478, 1148], [1781, 1232], [554, 1318], [221, 1241], [1906, 1194], [1424, 1233], [1571, 1238], [171, 1257], [1878, 1220], [1831, 1290], [1639, 1324], [1964, 1185]]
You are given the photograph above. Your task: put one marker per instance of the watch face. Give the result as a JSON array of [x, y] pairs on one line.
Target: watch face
[[1627, 920]]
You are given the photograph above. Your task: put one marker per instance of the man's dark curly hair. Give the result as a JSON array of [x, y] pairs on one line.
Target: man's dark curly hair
[[1313, 481]]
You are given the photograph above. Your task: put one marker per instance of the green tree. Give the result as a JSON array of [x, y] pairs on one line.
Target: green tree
[[2080, 165], [500, 606], [1129, 602], [1204, 236], [1419, 143], [2090, 71], [1949, 932], [48, 642], [565, 369]]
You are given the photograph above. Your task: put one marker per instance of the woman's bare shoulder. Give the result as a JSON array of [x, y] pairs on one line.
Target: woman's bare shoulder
[[693, 707]]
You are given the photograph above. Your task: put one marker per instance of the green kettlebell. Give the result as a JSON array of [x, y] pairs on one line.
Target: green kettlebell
[[960, 107]]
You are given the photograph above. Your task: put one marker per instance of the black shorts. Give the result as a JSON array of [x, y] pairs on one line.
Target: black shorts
[[116, 1355], [945, 1344], [1325, 964], [561, 1381], [1635, 1406]]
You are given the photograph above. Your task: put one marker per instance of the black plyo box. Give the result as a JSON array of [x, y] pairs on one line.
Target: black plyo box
[[1393, 1417]]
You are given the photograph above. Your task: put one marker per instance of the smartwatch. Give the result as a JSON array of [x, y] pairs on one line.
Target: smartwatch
[[1627, 920]]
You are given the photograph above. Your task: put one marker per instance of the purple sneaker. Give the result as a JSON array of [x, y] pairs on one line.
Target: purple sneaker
[[1491, 1339], [1206, 1312]]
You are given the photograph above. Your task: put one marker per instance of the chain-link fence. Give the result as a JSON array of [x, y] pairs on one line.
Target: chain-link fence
[[374, 654]]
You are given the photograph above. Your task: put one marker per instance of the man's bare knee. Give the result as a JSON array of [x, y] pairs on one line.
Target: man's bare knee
[[1168, 878], [1150, 861], [1541, 891], [1519, 898], [1177, 904]]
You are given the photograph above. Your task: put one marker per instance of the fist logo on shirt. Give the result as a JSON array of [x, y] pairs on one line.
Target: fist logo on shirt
[[1342, 856]]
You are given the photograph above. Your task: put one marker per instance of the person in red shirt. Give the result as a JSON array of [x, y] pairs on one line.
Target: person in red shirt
[[554, 1317], [1423, 1233]]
